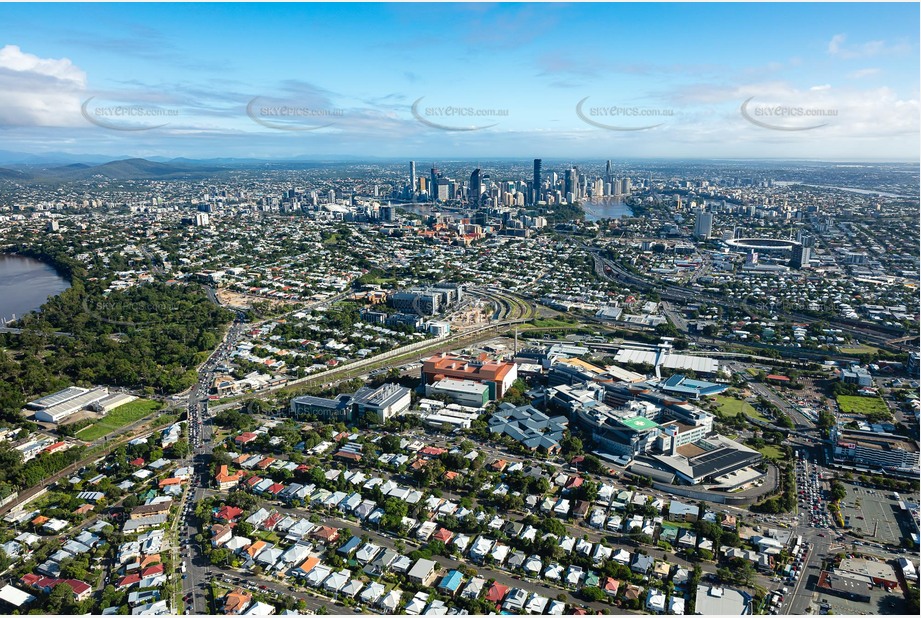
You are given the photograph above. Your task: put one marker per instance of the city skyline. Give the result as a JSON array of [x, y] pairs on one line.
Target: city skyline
[[806, 81]]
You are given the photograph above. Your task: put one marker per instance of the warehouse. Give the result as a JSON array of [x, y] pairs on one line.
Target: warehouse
[[60, 411]]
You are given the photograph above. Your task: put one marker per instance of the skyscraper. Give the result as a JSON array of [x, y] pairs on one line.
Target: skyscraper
[[476, 188], [802, 255], [703, 226], [537, 181], [608, 174], [570, 182], [412, 177], [433, 182]]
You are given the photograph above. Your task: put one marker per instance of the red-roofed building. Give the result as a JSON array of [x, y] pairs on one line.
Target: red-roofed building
[[154, 570], [139, 462], [348, 456], [610, 586], [228, 513], [252, 481], [225, 480], [499, 465], [53, 448], [444, 535], [497, 375], [575, 482], [271, 521], [326, 534], [127, 581], [265, 463], [81, 589], [773, 377], [276, 489], [245, 438], [496, 593], [170, 481], [432, 451], [84, 509]]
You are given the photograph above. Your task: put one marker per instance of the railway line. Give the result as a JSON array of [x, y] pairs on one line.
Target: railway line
[[880, 337]]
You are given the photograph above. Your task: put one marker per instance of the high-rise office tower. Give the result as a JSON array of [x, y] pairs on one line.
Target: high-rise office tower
[[608, 174], [537, 181], [476, 188], [412, 176], [703, 226], [625, 186], [570, 181], [802, 255], [433, 181]]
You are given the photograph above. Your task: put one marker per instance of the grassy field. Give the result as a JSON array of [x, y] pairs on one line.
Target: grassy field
[[855, 404], [731, 407], [118, 418], [859, 349], [771, 452]]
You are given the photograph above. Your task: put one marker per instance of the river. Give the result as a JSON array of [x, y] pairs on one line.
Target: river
[[25, 284], [605, 208]]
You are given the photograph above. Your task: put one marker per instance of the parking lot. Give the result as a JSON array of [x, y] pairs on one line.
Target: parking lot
[[881, 602], [870, 511]]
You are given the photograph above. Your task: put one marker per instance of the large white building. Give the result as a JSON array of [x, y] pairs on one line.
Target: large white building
[[463, 392], [71, 405]]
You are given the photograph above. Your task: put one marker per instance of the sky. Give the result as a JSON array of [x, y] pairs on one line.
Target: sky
[[405, 80]]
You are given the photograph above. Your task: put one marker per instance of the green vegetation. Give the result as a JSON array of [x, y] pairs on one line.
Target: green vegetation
[[771, 452], [867, 406], [729, 407], [859, 349], [119, 417], [148, 337]]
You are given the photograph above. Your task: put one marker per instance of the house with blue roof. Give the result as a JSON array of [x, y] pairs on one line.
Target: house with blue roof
[[451, 582]]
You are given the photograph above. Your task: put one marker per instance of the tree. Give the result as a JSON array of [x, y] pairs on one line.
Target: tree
[[60, 599], [593, 594]]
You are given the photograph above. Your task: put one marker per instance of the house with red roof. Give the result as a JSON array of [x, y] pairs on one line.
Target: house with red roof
[[610, 586], [245, 438], [348, 456], [127, 581], [326, 534], [225, 480], [496, 593], [276, 489], [271, 521], [432, 451], [228, 513], [265, 463], [444, 535], [81, 589], [139, 462]]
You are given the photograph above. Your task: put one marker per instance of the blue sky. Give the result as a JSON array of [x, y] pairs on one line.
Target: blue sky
[[822, 81]]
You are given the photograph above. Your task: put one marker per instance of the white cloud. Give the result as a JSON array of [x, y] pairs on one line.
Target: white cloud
[[39, 91], [861, 73], [821, 87], [839, 48]]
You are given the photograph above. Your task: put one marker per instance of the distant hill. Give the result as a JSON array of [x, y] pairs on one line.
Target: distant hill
[[8, 174], [127, 169]]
